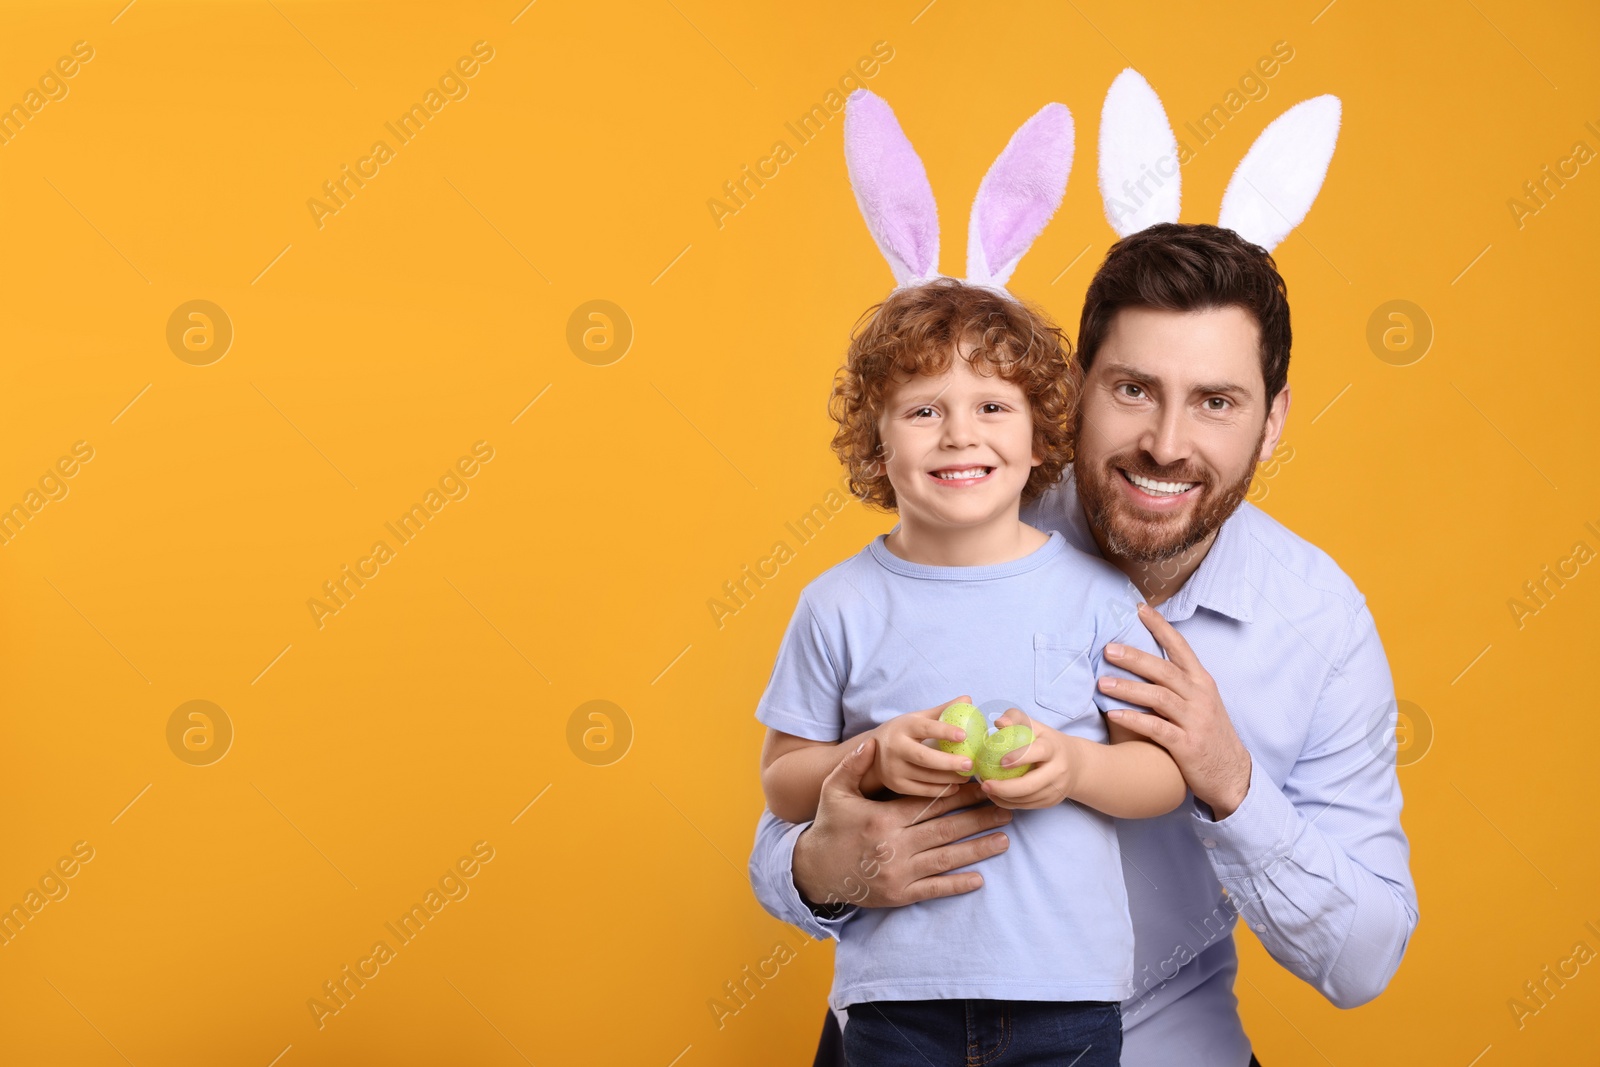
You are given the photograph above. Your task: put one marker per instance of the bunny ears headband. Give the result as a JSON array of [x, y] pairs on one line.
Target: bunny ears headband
[[1269, 195], [1015, 200]]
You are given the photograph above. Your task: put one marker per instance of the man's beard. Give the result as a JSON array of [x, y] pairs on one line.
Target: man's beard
[[1130, 536]]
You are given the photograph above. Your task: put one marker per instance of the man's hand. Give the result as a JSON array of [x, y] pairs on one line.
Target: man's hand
[[908, 766], [1189, 721], [885, 853], [1052, 772]]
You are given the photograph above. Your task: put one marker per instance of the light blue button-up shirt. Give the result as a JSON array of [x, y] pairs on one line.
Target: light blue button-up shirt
[[1314, 860]]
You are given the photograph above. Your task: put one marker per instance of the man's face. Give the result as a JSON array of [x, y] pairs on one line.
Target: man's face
[[959, 447], [1173, 422]]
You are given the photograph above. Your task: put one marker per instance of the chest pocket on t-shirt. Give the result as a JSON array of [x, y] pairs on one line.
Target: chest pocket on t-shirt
[[1063, 673]]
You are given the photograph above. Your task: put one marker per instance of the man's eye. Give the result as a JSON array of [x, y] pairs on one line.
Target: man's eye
[[1216, 403]]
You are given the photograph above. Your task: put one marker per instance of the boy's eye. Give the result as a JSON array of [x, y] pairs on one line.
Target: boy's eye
[[917, 414], [997, 407]]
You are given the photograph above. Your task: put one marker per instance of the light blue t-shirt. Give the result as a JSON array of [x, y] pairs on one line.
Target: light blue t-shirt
[[877, 636]]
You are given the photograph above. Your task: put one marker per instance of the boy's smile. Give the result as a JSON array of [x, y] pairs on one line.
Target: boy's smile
[[960, 476]]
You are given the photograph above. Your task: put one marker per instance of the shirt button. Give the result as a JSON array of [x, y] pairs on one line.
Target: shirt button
[[1261, 928], [1209, 842]]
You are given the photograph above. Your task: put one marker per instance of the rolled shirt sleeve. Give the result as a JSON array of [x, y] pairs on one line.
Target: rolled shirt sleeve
[[772, 878], [1319, 868]]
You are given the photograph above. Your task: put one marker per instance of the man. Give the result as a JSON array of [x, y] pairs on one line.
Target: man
[[1284, 737]]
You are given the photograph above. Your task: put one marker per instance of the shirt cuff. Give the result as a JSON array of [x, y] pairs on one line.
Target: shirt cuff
[[1261, 830], [795, 905]]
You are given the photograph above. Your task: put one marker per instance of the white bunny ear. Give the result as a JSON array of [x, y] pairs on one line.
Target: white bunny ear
[[1019, 194], [1139, 179], [1282, 174], [891, 188]]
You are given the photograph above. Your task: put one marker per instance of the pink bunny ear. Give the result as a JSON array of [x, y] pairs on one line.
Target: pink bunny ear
[[891, 188], [1019, 194]]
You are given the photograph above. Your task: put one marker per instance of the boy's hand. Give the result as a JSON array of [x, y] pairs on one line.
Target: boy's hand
[[1052, 776], [911, 768]]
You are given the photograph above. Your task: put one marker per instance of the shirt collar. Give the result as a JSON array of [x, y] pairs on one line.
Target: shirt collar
[[1227, 580]]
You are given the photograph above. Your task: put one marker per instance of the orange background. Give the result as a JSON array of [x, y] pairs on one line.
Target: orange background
[[432, 711]]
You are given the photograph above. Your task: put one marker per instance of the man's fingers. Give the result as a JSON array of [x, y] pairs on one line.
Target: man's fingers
[[942, 859], [1145, 665], [1151, 727], [846, 777], [1170, 640], [929, 835], [914, 810], [1155, 697], [948, 885]]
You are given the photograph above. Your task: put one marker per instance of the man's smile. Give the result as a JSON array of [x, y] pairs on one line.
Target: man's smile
[[1154, 493]]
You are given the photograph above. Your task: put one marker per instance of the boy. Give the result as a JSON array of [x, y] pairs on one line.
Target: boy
[[954, 409]]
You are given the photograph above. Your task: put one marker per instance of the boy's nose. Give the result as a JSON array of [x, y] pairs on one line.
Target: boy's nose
[[959, 430]]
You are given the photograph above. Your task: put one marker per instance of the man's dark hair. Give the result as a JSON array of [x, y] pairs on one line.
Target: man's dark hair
[[1180, 267]]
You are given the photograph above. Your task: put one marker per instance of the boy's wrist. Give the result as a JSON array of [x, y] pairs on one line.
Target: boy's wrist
[[1076, 754]]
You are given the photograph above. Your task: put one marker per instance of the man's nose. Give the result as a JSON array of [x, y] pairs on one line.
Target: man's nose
[[1166, 439]]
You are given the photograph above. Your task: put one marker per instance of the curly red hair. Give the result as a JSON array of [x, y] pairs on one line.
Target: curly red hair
[[917, 331]]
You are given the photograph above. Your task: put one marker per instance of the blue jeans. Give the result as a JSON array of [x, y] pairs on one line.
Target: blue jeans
[[981, 1033]]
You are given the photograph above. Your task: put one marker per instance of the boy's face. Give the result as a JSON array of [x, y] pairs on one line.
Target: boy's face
[[959, 447], [1173, 421]]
